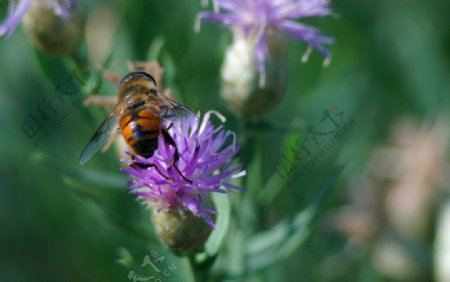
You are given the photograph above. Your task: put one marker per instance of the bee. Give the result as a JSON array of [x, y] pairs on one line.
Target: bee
[[138, 116]]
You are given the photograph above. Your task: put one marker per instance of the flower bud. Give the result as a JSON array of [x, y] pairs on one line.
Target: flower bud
[[248, 91], [181, 232], [54, 27]]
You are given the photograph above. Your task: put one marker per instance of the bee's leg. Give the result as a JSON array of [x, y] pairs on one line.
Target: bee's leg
[[103, 101], [169, 139], [169, 127], [145, 166], [168, 93], [113, 77], [176, 154]]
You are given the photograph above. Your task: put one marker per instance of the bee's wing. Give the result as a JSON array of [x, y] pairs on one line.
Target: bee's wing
[[171, 110], [100, 137]]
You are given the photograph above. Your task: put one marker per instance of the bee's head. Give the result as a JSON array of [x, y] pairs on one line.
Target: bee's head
[[139, 77]]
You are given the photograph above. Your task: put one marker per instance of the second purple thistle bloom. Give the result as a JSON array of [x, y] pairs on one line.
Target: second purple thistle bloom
[[255, 18]]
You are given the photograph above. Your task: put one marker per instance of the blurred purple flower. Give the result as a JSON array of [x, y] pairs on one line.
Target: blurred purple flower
[[206, 159], [15, 14], [255, 17], [18, 10]]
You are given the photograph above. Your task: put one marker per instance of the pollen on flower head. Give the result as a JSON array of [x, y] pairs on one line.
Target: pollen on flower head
[[206, 165]]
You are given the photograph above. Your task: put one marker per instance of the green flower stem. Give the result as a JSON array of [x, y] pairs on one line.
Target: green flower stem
[[200, 271]]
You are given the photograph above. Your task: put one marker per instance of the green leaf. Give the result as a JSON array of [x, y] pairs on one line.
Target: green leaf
[[105, 194], [112, 180], [276, 181], [154, 50], [263, 126], [125, 258], [92, 84], [156, 53], [56, 71], [282, 240], [215, 240], [82, 175], [170, 73]]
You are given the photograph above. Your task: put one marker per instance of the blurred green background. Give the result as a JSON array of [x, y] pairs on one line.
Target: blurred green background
[[390, 62]]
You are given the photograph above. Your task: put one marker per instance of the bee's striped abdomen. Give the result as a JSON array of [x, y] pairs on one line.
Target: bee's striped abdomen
[[141, 130]]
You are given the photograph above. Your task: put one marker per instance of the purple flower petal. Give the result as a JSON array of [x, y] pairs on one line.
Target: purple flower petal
[[64, 9], [14, 17], [308, 34]]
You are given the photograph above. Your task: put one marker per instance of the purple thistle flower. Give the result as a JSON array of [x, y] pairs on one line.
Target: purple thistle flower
[[255, 17], [16, 13], [206, 159]]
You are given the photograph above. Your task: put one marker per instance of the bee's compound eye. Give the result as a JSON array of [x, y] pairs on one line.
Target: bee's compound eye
[[142, 74], [125, 79], [134, 75]]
